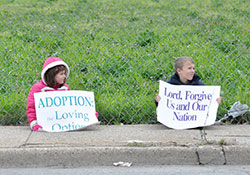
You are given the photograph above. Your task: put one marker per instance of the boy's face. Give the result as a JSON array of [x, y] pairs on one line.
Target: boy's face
[[187, 72], [60, 77]]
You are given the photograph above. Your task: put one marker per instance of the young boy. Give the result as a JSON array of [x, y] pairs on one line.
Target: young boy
[[184, 75]]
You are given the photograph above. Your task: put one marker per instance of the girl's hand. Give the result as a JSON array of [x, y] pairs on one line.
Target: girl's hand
[[37, 128], [157, 98], [96, 114]]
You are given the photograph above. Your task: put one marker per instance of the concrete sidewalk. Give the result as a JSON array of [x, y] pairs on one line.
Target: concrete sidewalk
[[139, 144]]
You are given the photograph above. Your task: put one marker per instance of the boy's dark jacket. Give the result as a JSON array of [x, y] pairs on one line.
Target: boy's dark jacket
[[175, 80]]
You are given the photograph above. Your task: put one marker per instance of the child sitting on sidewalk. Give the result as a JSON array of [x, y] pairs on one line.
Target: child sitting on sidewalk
[[184, 75], [54, 74]]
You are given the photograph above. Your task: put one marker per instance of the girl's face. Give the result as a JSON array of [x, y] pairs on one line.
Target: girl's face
[[60, 77], [187, 72]]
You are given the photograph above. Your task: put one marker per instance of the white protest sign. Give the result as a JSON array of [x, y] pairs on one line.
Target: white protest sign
[[58, 111], [185, 106]]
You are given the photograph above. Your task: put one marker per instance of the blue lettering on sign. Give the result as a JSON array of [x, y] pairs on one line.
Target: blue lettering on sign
[[75, 114], [57, 101], [65, 100], [198, 107], [49, 101], [183, 107], [199, 97], [170, 104], [80, 101], [89, 104], [173, 95], [66, 127], [184, 117], [41, 103]]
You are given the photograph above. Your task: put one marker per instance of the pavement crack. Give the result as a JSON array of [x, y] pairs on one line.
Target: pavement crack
[[203, 135], [224, 154], [198, 162], [27, 139]]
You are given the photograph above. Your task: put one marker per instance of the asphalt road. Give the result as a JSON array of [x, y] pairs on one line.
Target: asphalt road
[[136, 170]]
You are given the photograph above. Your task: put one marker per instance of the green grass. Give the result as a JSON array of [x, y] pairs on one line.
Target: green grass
[[120, 49]]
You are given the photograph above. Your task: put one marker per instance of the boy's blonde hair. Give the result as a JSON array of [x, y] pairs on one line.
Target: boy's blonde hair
[[179, 62]]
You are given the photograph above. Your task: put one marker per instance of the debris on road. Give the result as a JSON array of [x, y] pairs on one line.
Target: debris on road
[[123, 164]]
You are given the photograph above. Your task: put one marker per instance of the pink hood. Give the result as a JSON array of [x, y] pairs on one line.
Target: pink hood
[[51, 62]]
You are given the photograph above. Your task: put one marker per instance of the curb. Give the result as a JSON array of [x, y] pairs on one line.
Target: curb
[[106, 156]]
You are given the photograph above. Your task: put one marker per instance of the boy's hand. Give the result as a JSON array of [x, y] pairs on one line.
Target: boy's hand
[[157, 98], [37, 128], [219, 100]]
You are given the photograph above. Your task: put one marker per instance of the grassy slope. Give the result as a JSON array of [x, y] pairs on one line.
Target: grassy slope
[[119, 49]]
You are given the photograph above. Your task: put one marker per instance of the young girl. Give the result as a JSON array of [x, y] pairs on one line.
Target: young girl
[[54, 74]]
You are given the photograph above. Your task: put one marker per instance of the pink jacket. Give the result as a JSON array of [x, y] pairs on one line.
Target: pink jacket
[[43, 87]]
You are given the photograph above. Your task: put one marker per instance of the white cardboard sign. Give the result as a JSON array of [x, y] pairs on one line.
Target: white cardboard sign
[[58, 111], [185, 106]]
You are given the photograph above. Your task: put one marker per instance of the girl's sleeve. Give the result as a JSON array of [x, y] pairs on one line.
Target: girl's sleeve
[[31, 110]]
